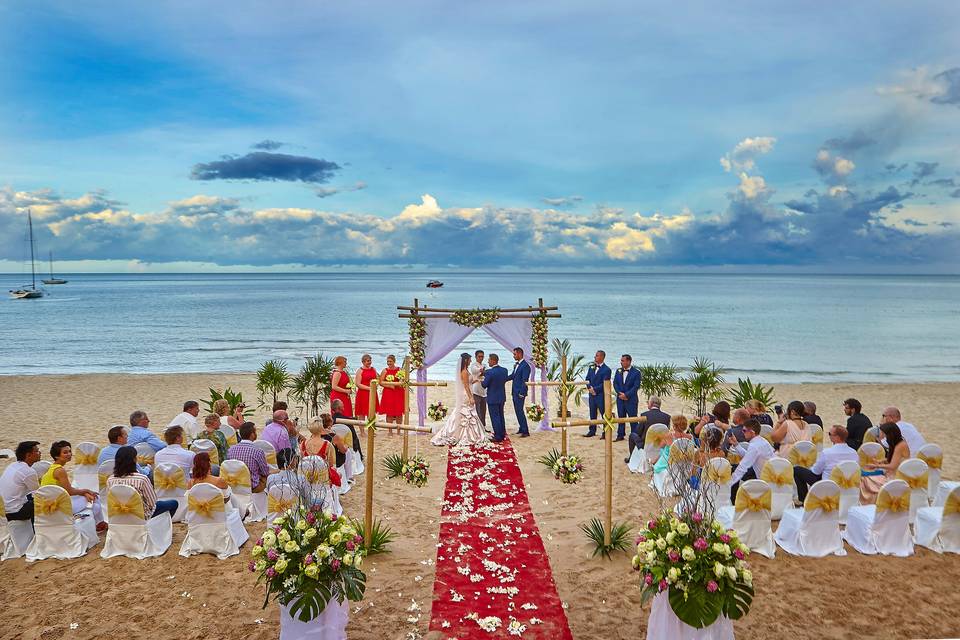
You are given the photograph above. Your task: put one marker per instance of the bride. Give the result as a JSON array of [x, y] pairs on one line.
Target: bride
[[462, 426]]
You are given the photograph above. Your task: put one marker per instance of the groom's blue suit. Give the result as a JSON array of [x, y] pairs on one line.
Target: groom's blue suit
[[495, 382], [520, 375]]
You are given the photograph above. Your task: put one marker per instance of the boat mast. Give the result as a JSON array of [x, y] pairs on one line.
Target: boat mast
[[33, 270]]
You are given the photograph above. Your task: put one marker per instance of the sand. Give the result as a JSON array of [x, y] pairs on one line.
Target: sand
[[200, 597]]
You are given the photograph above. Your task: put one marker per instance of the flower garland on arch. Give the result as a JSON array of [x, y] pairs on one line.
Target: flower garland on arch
[[538, 339], [475, 318], [418, 336]]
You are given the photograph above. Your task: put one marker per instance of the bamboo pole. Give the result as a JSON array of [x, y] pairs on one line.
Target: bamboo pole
[[570, 424], [371, 440], [444, 314], [406, 404], [563, 402], [608, 455], [383, 425], [439, 310]]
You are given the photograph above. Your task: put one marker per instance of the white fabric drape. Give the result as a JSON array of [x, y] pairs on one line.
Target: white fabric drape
[[664, 623], [443, 336], [331, 624], [518, 332]]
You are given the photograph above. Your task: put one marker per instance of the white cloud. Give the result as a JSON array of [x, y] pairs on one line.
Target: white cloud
[[744, 155], [752, 186]]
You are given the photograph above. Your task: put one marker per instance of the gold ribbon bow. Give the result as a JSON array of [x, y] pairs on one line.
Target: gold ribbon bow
[[916, 482], [781, 478], [802, 459], [895, 504], [372, 424], [317, 476], [85, 459], [952, 505], [733, 457], [49, 507], [826, 503], [272, 458], [144, 460], [845, 482], [934, 462], [131, 507], [348, 438], [278, 505], [102, 477], [654, 439], [235, 479], [719, 474], [878, 458], [817, 436], [169, 482], [678, 455], [746, 502], [206, 508]]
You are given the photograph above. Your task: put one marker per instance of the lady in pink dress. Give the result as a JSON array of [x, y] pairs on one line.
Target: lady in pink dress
[[362, 379], [391, 399], [339, 385]]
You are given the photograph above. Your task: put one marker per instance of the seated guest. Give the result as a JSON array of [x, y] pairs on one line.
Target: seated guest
[[188, 419], [117, 437], [252, 456], [790, 428], [336, 409], [654, 415], [202, 472], [829, 458], [277, 434], [231, 419], [759, 411], [897, 451], [140, 432], [678, 431], [739, 417], [712, 446], [174, 452], [857, 423], [753, 455], [212, 432], [719, 416], [317, 445], [125, 473], [326, 431], [908, 431], [19, 481], [810, 414], [62, 453]]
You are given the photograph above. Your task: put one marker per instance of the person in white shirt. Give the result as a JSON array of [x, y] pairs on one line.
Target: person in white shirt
[[826, 461], [19, 481], [479, 393], [907, 430], [188, 419], [752, 457], [174, 451]]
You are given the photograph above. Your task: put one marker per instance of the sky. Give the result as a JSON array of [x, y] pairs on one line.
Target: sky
[[557, 135]]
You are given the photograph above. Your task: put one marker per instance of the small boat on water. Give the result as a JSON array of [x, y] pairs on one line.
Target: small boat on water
[[26, 293], [434, 284], [51, 279]]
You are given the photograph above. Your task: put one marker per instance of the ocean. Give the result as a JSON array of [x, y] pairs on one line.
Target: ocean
[[772, 328]]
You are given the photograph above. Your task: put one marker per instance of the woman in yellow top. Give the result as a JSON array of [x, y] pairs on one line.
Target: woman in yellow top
[[62, 453]]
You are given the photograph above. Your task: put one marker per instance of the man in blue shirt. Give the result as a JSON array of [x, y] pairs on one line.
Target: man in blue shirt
[[140, 432], [596, 374], [118, 438]]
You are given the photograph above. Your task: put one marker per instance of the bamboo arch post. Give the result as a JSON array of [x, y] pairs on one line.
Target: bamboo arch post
[[564, 385], [371, 443]]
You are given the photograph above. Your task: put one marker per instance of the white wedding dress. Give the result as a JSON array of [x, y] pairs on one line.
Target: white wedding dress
[[462, 427]]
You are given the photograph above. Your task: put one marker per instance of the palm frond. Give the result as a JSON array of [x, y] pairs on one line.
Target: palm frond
[[394, 465], [619, 537], [549, 459], [381, 537]]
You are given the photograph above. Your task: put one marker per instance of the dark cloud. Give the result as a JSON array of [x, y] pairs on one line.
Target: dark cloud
[[261, 165], [914, 223], [856, 141], [923, 170], [562, 201], [955, 194], [950, 80], [268, 145], [942, 182], [326, 192], [896, 168]]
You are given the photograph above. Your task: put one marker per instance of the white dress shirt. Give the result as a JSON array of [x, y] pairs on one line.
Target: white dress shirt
[[912, 436], [188, 422], [754, 456], [477, 387], [176, 454], [17, 482], [831, 457]]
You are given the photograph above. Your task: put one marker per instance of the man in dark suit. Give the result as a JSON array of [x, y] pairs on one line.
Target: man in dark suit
[[520, 375], [626, 384], [596, 374], [494, 380], [810, 414], [653, 415]]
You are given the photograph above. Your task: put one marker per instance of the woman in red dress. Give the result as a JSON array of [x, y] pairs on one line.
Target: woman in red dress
[[338, 386], [362, 379], [391, 400]]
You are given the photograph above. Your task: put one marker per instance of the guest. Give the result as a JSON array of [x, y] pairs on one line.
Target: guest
[[719, 416], [292, 425], [679, 430], [62, 453], [117, 437], [276, 434], [518, 390], [125, 472], [790, 428], [712, 446], [140, 431], [479, 393], [174, 453], [340, 447], [202, 473], [737, 420], [326, 428], [339, 390], [908, 431], [759, 411], [212, 432], [753, 455], [336, 408], [810, 414], [653, 415], [626, 384], [188, 419], [392, 397], [897, 451], [362, 379], [596, 374], [857, 422], [252, 456], [317, 445], [19, 481], [829, 458], [231, 419]]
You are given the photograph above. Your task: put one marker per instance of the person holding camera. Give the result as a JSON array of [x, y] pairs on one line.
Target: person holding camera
[[791, 427]]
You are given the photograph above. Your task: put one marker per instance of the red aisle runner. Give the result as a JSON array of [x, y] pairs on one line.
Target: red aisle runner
[[493, 576]]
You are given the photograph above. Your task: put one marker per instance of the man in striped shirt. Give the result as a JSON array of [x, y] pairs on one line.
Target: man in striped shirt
[[252, 456]]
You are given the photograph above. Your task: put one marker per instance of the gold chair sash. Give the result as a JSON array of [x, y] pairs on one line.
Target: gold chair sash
[[85, 459], [317, 476], [746, 502], [952, 505], [206, 508], [169, 482], [272, 458], [654, 438], [845, 482], [131, 507], [348, 438], [781, 479], [917, 482], [49, 507], [720, 475], [278, 505], [733, 457], [826, 503], [895, 504], [934, 462], [678, 455], [102, 477], [234, 479], [144, 460], [802, 459], [865, 459], [869, 436], [817, 436]]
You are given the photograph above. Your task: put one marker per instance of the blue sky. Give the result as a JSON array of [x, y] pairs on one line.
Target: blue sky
[[593, 134]]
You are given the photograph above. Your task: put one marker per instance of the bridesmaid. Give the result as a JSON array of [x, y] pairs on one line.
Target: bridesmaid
[[362, 379], [391, 400], [338, 385], [790, 428]]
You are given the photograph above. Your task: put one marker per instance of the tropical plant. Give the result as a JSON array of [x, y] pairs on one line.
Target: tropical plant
[[746, 390], [701, 385], [619, 537], [311, 386], [659, 379], [549, 459], [381, 536], [272, 379], [233, 398], [576, 365], [394, 465]]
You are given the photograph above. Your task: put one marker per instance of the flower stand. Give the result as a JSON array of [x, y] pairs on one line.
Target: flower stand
[[329, 625], [663, 624]]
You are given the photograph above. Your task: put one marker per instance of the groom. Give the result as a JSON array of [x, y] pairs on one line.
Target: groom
[[494, 380], [520, 375]]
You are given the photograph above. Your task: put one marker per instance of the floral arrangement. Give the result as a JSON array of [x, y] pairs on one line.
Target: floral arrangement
[[418, 337], [538, 339], [307, 558], [437, 411], [701, 566], [535, 412], [475, 318], [568, 469], [415, 471]]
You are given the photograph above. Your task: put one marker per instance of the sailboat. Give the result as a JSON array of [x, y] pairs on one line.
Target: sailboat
[[32, 292], [51, 279]]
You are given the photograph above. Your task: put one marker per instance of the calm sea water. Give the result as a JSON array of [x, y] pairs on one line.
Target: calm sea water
[[774, 328]]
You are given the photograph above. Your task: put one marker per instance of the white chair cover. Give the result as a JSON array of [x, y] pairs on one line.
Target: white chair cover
[[206, 446], [932, 454], [653, 442], [916, 474], [638, 461], [813, 530], [883, 527], [943, 490], [355, 461], [20, 536], [41, 467], [85, 466], [750, 517], [766, 432], [778, 473], [803, 454], [664, 624], [938, 528], [331, 624], [715, 481], [280, 498], [56, 533], [170, 483], [847, 476], [145, 454], [130, 533], [816, 436], [871, 453], [314, 473], [104, 471], [229, 433], [252, 506], [269, 451], [210, 528]]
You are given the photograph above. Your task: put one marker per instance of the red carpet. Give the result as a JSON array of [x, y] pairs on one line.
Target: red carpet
[[490, 559]]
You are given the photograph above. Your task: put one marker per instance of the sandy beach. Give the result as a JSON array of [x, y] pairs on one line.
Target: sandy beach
[[201, 597]]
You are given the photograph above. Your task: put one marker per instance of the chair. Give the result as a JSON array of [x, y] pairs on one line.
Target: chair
[[814, 529], [41, 467], [678, 463], [750, 516], [210, 529], [314, 471], [202, 445], [269, 451], [871, 435], [733, 457], [15, 536], [932, 454], [715, 481], [816, 436], [778, 473], [85, 466], [871, 453], [131, 534], [145, 454], [229, 433], [915, 473], [847, 476], [56, 533], [354, 459], [803, 454], [945, 488], [653, 441], [280, 498], [883, 527], [766, 432], [252, 506], [104, 471], [170, 483], [938, 528]]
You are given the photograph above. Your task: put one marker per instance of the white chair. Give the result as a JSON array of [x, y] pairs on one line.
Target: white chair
[[280, 498], [932, 454], [766, 432], [252, 506], [131, 534], [715, 480], [653, 441], [56, 533], [803, 454], [883, 527], [202, 445], [170, 483], [816, 436], [915, 473], [814, 529], [210, 528], [750, 516], [638, 461], [316, 475], [871, 435], [41, 467], [229, 434], [86, 466], [354, 458], [680, 454], [945, 488], [104, 471], [15, 536], [938, 528], [269, 451], [145, 454], [847, 476], [778, 473], [871, 453]]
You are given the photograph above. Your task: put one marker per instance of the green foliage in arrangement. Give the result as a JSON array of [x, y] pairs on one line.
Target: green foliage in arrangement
[[702, 385], [272, 380], [576, 365], [380, 538], [233, 398], [746, 390], [659, 379], [394, 465], [619, 537], [311, 387], [549, 459]]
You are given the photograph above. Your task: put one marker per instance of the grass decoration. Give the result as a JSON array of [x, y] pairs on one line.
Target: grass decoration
[[382, 536], [394, 465], [619, 537]]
